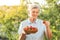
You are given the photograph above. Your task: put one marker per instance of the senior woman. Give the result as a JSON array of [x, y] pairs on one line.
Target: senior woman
[[43, 28]]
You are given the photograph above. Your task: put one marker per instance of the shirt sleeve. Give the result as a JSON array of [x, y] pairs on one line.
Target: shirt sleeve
[[20, 28], [44, 28]]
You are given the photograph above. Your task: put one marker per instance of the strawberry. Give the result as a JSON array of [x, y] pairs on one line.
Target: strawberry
[[44, 22], [26, 28], [31, 27]]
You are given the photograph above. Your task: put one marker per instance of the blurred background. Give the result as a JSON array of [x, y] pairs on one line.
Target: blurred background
[[12, 14]]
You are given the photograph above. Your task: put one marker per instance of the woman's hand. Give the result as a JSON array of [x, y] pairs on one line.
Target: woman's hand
[[47, 23]]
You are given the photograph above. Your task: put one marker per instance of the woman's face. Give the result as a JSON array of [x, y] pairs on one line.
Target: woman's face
[[34, 13]]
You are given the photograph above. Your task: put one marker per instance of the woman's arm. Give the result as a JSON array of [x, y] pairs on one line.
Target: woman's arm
[[48, 31], [22, 36], [21, 33]]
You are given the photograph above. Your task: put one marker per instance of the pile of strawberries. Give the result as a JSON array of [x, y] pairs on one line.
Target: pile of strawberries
[[30, 29]]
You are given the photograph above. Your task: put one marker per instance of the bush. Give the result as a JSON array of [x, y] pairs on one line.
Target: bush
[[10, 18]]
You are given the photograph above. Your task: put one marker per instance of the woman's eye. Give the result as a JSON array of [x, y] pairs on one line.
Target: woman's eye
[[33, 12]]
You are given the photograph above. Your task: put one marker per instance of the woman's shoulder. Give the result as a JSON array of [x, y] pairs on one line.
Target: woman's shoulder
[[24, 21]]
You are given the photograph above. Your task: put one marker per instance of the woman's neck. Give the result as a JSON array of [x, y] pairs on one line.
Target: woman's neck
[[32, 19]]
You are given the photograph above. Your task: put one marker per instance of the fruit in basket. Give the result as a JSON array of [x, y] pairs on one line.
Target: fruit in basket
[[30, 29], [34, 30], [26, 29]]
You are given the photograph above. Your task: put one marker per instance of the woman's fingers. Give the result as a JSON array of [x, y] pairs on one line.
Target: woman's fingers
[[47, 23]]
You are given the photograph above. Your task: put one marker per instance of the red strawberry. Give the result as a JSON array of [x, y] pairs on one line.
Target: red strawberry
[[26, 29], [34, 30], [30, 26], [44, 22]]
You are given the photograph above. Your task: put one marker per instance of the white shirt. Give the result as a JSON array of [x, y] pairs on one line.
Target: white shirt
[[38, 24]]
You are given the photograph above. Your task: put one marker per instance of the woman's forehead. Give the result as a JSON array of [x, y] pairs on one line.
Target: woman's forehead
[[35, 9]]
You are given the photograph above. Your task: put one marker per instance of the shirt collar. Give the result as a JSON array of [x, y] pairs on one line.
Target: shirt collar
[[33, 22]]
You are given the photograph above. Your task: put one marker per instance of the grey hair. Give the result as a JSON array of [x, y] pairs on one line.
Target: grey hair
[[32, 6]]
